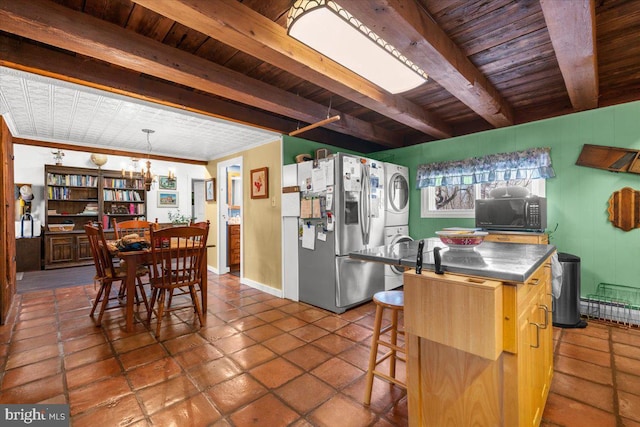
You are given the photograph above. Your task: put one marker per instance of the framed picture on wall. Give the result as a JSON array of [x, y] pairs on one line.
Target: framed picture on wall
[[166, 183], [260, 183], [210, 190], [167, 199]]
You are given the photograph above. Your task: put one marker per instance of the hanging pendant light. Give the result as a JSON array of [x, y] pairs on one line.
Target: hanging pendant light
[[326, 27], [146, 173]]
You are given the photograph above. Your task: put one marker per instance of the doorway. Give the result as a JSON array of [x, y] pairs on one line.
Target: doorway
[[229, 175], [197, 200]]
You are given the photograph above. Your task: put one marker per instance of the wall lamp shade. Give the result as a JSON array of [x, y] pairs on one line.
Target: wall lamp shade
[[329, 29]]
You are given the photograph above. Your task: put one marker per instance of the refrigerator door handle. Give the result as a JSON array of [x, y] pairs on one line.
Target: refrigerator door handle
[[361, 211], [368, 196], [365, 203]]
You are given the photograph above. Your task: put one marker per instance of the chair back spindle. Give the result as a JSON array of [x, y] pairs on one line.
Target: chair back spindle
[[139, 227]]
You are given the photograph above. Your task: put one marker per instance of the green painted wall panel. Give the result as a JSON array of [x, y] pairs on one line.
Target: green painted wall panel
[[292, 146], [577, 197]]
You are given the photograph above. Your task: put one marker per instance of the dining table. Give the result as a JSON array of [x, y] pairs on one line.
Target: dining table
[[134, 259]]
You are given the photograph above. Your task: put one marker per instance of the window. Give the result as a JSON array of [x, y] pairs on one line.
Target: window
[[458, 201]]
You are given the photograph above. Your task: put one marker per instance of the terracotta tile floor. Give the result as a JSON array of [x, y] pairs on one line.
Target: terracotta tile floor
[[262, 361]]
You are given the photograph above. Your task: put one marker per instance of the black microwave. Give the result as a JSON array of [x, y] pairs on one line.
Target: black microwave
[[517, 213]]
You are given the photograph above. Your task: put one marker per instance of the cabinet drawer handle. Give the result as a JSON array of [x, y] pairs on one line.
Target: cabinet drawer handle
[[537, 335], [546, 315], [534, 281]]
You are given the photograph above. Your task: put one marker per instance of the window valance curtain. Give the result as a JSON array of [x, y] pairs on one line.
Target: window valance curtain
[[534, 163]]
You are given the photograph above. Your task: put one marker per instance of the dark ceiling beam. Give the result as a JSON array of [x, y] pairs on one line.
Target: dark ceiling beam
[[242, 28], [27, 56], [55, 25], [410, 30], [572, 28], [108, 151]]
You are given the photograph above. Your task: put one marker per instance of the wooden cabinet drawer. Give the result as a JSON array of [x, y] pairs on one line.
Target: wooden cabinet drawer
[[60, 249], [534, 238], [83, 249], [233, 249]]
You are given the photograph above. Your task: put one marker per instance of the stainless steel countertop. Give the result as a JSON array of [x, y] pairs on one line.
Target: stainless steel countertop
[[504, 261]]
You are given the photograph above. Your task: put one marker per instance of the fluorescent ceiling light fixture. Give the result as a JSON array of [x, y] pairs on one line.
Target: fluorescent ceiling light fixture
[[326, 27]]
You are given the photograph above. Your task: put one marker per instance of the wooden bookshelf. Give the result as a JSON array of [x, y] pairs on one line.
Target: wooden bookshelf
[[75, 196]]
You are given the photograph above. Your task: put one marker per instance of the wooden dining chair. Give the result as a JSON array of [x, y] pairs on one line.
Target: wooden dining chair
[[107, 273], [177, 262], [131, 226], [139, 227], [201, 224], [181, 291]]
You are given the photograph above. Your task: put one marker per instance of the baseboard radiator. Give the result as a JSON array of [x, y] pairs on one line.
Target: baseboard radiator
[[614, 311]]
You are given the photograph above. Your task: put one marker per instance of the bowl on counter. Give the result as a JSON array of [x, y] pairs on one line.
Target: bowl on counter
[[461, 239]]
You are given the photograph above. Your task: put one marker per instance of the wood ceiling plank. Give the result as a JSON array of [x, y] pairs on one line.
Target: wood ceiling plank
[[571, 25], [410, 31], [150, 25], [114, 11], [239, 26], [56, 25], [474, 21], [507, 28], [184, 38]]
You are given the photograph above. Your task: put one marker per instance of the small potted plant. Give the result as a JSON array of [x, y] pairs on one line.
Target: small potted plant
[[178, 219]]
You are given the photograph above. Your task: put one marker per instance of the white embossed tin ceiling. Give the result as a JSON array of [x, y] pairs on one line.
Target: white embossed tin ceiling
[[41, 108]]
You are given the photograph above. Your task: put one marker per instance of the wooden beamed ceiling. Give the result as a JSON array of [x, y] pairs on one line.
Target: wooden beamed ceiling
[[234, 60]]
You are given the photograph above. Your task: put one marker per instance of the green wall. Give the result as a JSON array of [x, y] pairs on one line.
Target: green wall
[[292, 146], [577, 197]]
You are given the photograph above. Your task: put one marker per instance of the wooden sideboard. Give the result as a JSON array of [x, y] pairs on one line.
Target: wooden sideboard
[[480, 351]]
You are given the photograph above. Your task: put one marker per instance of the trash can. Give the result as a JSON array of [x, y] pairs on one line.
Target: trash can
[[566, 308]]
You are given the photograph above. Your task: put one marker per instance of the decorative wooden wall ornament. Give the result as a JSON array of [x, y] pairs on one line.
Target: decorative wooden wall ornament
[[624, 209]]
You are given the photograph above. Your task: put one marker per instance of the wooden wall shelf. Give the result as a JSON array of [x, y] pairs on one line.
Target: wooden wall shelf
[[614, 159]]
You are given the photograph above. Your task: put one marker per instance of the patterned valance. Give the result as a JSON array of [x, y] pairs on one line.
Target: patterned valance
[[534, 163]]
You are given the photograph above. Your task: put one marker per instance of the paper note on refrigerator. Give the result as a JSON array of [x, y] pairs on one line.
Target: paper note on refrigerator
[[328, 171], [351, 166], [304, 175], [318, 179], [308, 237]]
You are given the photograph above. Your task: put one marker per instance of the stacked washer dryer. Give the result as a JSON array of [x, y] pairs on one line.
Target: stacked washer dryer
[[396, 217]]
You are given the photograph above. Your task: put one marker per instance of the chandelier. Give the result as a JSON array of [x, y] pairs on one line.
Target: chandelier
[[149, 178], [145, 172]]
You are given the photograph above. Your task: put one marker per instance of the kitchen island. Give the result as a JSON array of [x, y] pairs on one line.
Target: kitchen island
[[479, 337]]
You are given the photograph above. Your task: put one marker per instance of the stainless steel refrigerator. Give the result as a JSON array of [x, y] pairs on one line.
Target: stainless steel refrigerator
[[349, 191]]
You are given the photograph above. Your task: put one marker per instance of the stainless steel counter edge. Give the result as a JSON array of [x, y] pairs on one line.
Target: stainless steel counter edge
[[513, 262]]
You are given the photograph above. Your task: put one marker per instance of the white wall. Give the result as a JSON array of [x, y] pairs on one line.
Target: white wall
[[29, 169]]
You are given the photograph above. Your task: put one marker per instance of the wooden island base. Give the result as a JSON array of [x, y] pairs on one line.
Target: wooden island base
[[480, 351]]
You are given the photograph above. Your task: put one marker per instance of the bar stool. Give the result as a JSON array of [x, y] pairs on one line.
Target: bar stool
[[394, 301]]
